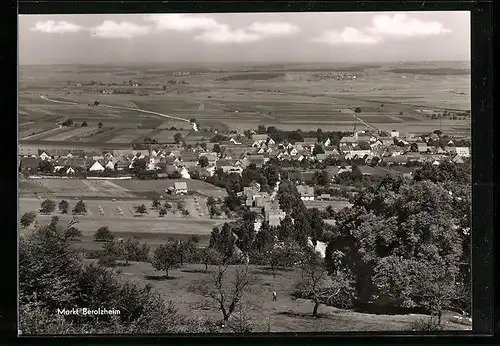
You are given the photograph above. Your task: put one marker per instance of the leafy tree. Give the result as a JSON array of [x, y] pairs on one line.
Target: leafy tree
[[318, 149], [45, 166], [364, 145], [27, 219], [103, 234], [211, 206], [63, 206], [203, 161], [261, 129], [84, 124], [216, 148], [156, 202], [286, 255], [192, 121], [271, 174], [322, 178], [286, 228], [224, 292], [73, 233], [210, 256], [223, 240], [48, 206], [68, 123], [162, 211], [141, 209], [80, 208], [357, 110], [166, 257], [265, 238], [99, 125], [177, 138]]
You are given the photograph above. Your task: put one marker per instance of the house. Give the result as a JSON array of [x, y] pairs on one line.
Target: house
[[306, 192], [462, 151], [327, 142], [394, 133], [386, 141], [212, 158], [258, 160], [96, 167], [422, 147], [28, 150], [44, 156], [232, 169], [70, 170], [457, 159], [301, 176], [321, 157], [180, 187], [110, 165], [261, 138], [324, 197], [120, 165]]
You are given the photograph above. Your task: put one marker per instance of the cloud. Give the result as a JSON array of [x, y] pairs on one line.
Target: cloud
[[224, 34], [402, 25], [347, 36], [111, 29], [273, 28], [183, 22], [61, 27]]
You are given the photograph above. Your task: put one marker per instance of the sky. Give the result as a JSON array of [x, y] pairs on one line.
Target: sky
[[360, 37]]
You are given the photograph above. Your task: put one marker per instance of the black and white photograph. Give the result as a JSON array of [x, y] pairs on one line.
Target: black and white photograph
[[239, 173]]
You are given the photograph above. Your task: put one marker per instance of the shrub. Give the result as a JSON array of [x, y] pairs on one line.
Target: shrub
[[428, 325]]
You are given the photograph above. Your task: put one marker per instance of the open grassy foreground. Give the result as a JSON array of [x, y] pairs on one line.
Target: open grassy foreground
[[284, 315]]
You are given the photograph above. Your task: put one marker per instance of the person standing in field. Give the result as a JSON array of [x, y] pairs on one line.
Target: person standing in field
[[274, 296]]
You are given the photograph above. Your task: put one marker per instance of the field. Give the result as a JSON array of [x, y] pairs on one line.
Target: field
[[324, 204], [287, 96]]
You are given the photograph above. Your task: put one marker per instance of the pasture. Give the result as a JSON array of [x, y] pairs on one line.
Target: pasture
[[336, 205]]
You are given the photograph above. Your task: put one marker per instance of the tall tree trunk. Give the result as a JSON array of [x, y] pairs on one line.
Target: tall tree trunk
[[315, 309], [206, 267], [166, 272], [439, 317]]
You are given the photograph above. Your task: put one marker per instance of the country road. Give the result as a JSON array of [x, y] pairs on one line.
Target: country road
[[195, 127]]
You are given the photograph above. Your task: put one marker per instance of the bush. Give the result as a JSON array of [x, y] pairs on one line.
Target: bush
[[107, 261], [103, 234], [427, 325]]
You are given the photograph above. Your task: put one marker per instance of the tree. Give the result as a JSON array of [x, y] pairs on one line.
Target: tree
[[177, 138], [224, 291], [48, 206], [261, 129], [141, 209], [156, 202], [68, 123], [99, 125], [211, 205], [284, 256], [162, 211], [322, 178], [166, 257], [203, 161], [192, 121], [216, 148], [27, 219], [45, 166], [84, 124], [223, 240], [80, 208], [286, 228], [318, 149], [210, 256], [63, 206], [103, 234], [314, 281], [357, 110], [265, 238], [271, 174], [364, 146]]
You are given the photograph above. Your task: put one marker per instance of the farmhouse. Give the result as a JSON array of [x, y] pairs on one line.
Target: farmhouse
[[462, 151], [394, 133], [306, 192], [96, 167], [180, 187], [28, 150]]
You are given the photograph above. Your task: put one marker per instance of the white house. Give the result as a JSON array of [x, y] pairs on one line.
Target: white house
[[394, 133], [271, 142], [96, 167], [327, 142], [462, 151], [70, 170], [110, 165], [184, 173], [44, 156], [180, 187]]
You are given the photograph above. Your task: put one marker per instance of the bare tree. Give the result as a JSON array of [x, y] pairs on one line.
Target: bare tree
[[224, 292]]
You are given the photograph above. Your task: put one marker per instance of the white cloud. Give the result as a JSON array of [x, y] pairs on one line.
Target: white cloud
[[274, 28], [111, 29], [183, 22], [224, 34], [402, 25], [347, 36], [61, 27]]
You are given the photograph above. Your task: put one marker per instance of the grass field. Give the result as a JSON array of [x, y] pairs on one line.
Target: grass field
[[324, 204]]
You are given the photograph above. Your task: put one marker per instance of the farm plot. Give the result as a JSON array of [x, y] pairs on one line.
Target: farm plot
[[337, 205], [75, 132], [82, 188], [129, 135], [167, 135], [198, 186], [47, 134]]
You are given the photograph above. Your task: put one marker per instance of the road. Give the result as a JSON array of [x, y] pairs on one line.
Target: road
[[195, 127]]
